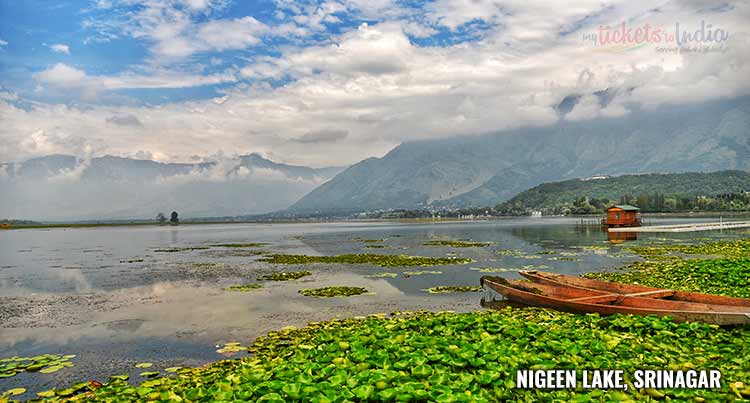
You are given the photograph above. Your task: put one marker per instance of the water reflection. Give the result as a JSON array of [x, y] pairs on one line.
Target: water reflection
[[620, 237]]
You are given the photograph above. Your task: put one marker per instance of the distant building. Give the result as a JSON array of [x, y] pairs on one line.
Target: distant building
[[536, 213], [623, 215]]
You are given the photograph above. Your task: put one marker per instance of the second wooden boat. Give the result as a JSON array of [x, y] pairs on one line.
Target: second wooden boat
[[580, 300], [621, 288]]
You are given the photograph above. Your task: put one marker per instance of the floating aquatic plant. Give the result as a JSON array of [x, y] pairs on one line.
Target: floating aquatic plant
[[492, 269], [329, 292], [232, 347], [454, 357], [713, 276], [445, 289], [457, 243], [285, 276], [244, 287], [378, 260], [46, 364]]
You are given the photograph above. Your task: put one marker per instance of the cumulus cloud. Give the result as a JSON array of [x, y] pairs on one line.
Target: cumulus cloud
[[64, 77], [375, 85], [60, 48], [3, 43]]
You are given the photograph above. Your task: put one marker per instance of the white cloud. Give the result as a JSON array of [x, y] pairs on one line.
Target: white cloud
[[418, 30], [378, 87], [64, 77], [3, 43], [60, 48]]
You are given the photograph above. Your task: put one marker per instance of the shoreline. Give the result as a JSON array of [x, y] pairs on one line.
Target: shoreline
[[52, 225]]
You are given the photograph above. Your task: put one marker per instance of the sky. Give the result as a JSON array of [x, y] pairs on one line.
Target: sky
[[329, 83]]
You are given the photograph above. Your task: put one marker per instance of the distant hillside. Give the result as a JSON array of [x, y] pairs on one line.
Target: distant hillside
[[723, 190], [476, 171]]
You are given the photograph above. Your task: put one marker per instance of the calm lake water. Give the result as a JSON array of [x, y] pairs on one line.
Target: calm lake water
[[110, 296]]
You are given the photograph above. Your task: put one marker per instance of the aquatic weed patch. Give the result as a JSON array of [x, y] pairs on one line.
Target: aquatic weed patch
[[453, 357], [330, 292], [728, 249], [285, 276], [446, 289], [729, 277], [45, 364], [457, 243], [366, 258], [244, 287]]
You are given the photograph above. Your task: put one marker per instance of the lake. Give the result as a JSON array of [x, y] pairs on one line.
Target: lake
[[117, 296]]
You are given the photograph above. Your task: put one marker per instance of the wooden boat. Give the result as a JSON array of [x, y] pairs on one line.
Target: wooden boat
[[621, 288], [580, 300]]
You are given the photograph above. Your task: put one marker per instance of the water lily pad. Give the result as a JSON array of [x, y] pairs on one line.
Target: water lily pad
[[144, 365], [14, 392], [52, 369], [445, 356]]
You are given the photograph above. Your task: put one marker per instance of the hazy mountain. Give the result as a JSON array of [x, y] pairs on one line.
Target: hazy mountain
[[64, 187], [488, 169]]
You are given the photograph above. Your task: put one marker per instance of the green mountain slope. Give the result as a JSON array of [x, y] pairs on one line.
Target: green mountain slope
[[727, 190]]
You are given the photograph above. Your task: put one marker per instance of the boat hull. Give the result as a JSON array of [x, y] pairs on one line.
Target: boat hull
[[523, 293], [621, 288]]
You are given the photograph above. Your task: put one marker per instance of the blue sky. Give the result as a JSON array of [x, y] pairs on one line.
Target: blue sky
[[330, 82], [108, 38]]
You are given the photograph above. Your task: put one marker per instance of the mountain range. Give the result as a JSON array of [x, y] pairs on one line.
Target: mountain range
[[487, 169], [458, 172], [65, 187]]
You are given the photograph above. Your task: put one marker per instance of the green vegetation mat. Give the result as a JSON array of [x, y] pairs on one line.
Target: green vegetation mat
[[244, 287], [728, 275], [457, 243], [365, 258], [448, 357], [330, 292], [285, 276], [445, 289]]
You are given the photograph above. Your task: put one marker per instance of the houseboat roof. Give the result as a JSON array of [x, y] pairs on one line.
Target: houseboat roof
[[626, 207]]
